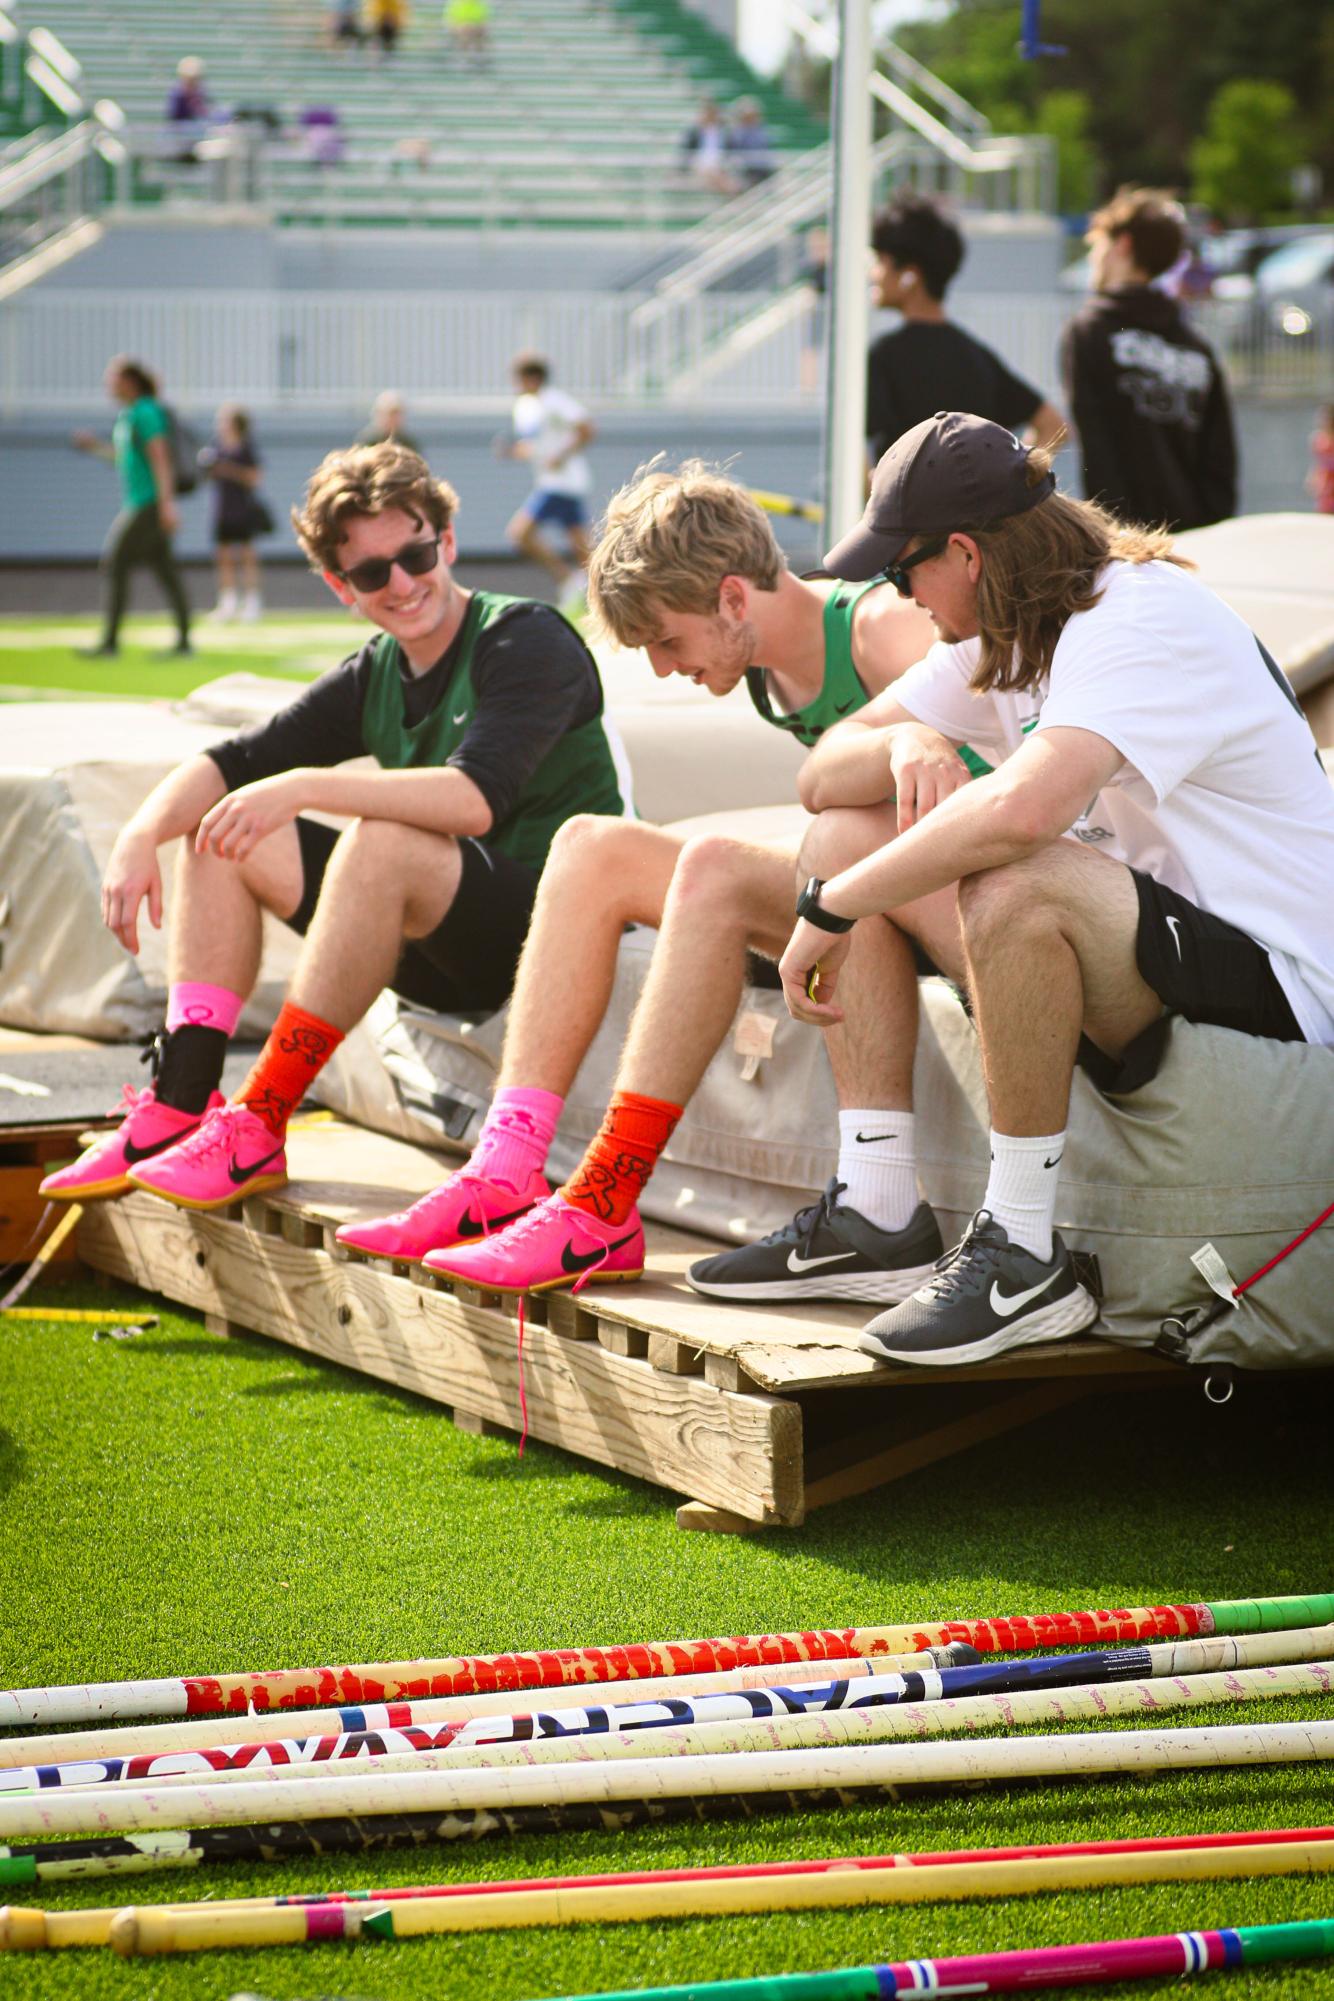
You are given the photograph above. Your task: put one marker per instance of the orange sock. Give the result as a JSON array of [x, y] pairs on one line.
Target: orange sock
[[298, 1048], [621, 1156]]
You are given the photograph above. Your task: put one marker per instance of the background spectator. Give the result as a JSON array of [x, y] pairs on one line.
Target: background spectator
[[749, 148], [386, 425], [232, 467], [467, 25], [188, 106], [929, 364], [141, 534], [1320, 480], [704, 149], [1147, 392], [342, 25], [385, 22]]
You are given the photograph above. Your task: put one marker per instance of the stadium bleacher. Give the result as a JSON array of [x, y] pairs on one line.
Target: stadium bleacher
[[427, 138]]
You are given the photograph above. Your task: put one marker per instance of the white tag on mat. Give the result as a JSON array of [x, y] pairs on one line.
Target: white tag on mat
[[1208, 1262], [754, 1040]]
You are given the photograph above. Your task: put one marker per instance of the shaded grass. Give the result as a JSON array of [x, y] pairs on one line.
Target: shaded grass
[[179, 1504], [38, 656]]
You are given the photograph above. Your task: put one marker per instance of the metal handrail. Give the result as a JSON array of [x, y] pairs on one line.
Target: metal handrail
[[965, 115]]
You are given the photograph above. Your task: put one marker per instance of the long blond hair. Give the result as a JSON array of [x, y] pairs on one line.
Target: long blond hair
[[1041, 568]]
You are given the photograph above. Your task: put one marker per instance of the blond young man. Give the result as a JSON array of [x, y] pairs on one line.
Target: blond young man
[[687, 567], [484, 714], [1157, 838]]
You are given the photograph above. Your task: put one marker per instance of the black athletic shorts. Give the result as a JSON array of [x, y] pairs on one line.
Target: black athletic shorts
[[1202, 969], [467, 964]]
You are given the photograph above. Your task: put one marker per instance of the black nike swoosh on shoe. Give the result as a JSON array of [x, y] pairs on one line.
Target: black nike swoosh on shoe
[[869, 1139], [576, 1261], [237, 1174], [469, 1226], [134, 1154]]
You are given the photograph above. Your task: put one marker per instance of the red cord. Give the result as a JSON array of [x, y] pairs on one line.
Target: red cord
[[523, 1397], [1279, 1256]]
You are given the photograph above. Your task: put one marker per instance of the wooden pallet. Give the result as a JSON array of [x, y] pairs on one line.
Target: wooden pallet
[[756, 1413]]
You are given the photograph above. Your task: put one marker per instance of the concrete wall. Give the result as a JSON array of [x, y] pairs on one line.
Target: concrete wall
[[55, 504]]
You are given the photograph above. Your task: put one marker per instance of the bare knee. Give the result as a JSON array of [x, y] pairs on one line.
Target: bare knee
[[997, 902], [619, 858], [389, 854], [726, 876], [841, 836]]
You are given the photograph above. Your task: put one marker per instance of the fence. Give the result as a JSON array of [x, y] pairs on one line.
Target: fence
[[309, 350]]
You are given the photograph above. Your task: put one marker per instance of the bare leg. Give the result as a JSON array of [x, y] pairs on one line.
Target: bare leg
[[579, 545], [1050, 945], [249, 567], [529, 543], [217, 919], [725, 896], [602, 874], [386, 882], [226, 569]]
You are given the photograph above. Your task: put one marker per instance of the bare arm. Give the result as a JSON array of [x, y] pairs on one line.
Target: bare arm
[[879, 754], [173, 808], [97, 448], [1035, 797], [440, 800], [164, 478]]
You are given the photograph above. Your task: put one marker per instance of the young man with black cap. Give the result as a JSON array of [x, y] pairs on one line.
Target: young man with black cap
[[1157, 837]]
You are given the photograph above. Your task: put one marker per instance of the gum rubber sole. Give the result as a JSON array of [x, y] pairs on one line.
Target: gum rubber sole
[[255, 1187]]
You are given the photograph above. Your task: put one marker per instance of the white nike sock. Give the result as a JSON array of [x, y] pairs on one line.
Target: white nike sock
[[1021, 1188], [877, 1160]]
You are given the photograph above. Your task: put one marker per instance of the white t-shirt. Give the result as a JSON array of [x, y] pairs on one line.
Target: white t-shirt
[[547, 419], [1222, 796]]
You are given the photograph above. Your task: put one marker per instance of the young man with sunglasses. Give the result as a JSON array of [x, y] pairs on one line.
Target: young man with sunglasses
[[688, 568], [484, 715], [1157, 838]]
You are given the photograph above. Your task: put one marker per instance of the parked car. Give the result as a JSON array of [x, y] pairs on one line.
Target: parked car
[[1293, 288]]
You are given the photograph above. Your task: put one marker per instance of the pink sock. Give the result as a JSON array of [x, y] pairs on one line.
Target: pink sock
[[512, 1145], [195, 1004]]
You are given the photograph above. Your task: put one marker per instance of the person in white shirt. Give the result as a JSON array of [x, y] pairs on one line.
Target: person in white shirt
[[1157, 836], [552, 431]]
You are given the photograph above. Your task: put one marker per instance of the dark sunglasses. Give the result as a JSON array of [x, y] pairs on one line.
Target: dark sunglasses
[[897, 573], [415, 559]]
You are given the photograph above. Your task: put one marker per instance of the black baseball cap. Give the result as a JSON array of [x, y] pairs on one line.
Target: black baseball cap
[[950, 472]]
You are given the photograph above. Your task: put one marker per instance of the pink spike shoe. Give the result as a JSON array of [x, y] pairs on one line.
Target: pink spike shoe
[[554, 1246], [231, 1154], [462, 1208], [104, 1168]]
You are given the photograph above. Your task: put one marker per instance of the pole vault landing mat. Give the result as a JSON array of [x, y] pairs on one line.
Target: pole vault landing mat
[[755, 1414]]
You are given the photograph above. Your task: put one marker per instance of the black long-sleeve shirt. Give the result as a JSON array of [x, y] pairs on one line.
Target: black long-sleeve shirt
[[1151, 407]]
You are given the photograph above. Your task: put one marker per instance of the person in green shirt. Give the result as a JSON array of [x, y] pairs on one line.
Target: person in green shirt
[[141, 534]]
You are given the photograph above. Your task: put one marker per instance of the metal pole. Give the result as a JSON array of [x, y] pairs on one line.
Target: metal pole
[[850, 234]]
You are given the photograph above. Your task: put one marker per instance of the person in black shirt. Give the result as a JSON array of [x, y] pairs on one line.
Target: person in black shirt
[[483, 715], [1147, 393], [929, 364]]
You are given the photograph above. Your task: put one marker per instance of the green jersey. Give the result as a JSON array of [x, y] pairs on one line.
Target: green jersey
[[136, 424]]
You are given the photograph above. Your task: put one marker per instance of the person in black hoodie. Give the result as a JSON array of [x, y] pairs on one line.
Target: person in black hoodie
[[1147, 393]]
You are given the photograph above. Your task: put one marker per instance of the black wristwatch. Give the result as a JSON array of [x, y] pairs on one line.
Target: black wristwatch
[[808, 906]]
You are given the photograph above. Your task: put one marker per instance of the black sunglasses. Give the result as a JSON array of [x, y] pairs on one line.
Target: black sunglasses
[[415, 559], [897, 573]]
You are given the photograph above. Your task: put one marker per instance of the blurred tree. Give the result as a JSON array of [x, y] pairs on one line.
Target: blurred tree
[[1242, 166], [1064, 116]]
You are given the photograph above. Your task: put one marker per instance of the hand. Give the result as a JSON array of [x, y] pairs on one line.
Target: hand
[[926, 768], [808, 949], [234, 828], [169, 515], [132, 874], [84, 441]]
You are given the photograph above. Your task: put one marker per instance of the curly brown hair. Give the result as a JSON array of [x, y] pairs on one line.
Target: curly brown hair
[[1041, 568], [367, 480]]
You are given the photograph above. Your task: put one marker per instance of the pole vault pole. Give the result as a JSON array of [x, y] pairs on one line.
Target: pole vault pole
[[850, 237]]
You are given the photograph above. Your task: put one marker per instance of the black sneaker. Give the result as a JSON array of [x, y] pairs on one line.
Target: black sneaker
[[827, 1251], [987, 1295]]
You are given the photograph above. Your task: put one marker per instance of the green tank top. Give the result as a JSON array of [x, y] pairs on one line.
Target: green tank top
[[577, 775], [841, 693]]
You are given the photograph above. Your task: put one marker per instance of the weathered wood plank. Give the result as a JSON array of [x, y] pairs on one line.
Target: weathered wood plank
[[742, 1453]]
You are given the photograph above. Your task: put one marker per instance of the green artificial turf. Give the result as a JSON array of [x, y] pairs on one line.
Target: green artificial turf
[[178, 1503], [39, 657]]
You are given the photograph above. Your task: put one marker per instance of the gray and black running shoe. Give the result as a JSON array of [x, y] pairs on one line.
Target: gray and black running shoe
[[827, 1251], [986, 1295]]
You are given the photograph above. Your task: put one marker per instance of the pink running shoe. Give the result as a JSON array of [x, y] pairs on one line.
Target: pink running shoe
[[462, 1208], [104, 1168], [555, 1245], [230, 1155]]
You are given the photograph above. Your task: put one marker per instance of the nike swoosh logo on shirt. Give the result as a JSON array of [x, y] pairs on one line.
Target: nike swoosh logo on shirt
[[1005, 1307], [134, 1154], [472, 1226], [1174, 926], [869, 1139], [237, 1173], [571, 1260], [796, 1262], [461, 719]]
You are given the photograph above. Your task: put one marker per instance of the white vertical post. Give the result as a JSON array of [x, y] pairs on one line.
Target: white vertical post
[[850, 235]]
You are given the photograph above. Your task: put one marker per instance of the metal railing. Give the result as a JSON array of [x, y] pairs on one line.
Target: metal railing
[[310, 351]]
